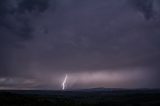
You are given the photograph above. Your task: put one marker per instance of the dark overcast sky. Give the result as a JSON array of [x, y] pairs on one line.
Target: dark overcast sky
[[98, 43]]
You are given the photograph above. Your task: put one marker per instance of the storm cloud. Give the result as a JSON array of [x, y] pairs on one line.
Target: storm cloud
[[98, 43]]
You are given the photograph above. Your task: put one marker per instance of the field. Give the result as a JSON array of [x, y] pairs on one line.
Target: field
[[90, 97]]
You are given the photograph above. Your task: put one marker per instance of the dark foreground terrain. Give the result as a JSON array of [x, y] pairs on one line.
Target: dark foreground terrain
[[93, 97]]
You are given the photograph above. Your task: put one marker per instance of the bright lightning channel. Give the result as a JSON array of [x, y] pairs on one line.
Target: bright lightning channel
[[64, 82]]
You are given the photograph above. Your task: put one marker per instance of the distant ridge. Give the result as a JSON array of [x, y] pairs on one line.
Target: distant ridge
[[102, 89], [98, 89]]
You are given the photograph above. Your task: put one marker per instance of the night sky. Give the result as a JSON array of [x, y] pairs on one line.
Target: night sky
[[97, 43]]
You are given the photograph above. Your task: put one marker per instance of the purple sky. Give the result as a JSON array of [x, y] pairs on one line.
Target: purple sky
[[98, 43]]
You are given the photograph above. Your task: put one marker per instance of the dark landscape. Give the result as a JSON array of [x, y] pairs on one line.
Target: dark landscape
[[88, 97]]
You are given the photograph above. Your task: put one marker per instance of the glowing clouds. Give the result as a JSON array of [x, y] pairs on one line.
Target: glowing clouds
[[17, 83], [114, 79]]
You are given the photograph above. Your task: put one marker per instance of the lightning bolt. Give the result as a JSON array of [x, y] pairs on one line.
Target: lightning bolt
[[64, 82]]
